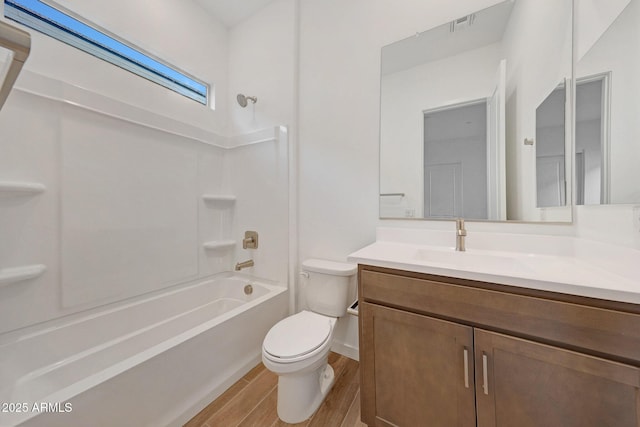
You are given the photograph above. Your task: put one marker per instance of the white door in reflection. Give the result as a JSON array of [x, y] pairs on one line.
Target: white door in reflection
[[550, 149], [455, 161], [550, 181], [443, 190], [592, 140]]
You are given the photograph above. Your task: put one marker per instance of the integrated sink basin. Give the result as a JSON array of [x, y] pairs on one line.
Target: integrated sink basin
[[485, 261]]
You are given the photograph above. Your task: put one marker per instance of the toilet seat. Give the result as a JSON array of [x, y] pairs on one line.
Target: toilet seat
[[297, 337]]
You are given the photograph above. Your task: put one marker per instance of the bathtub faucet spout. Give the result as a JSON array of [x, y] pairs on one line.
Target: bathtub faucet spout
[[245, 264]]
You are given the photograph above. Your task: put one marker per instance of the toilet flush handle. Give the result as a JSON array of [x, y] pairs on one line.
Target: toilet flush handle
[[304, 274]]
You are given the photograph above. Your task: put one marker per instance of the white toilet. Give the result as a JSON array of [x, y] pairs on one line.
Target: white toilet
[[297, 347]]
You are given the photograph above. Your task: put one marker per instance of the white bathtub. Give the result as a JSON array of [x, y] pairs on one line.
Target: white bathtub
[[154, 361]]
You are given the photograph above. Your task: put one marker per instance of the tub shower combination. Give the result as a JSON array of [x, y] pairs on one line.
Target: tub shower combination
[[153, 360]]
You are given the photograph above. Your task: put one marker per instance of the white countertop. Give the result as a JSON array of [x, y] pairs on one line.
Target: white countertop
[[567, 265]]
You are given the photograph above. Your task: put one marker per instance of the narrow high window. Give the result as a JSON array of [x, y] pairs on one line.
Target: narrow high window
[[82, 35]]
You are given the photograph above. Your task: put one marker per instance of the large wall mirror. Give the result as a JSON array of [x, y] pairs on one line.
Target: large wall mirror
[[607, 147], [475, 117]]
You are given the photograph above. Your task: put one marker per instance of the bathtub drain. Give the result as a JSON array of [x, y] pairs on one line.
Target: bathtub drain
[[248, 290]]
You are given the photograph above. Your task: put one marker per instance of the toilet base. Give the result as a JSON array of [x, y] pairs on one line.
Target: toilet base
[[300, 395]]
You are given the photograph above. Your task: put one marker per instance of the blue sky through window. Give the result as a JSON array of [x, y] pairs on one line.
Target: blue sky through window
[[44, 18]]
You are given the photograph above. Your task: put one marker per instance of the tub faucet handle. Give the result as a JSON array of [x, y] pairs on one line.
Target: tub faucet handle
[[461, 232], [250, 240]]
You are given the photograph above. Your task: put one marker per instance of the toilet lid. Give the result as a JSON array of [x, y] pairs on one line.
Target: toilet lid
[[297, 335]]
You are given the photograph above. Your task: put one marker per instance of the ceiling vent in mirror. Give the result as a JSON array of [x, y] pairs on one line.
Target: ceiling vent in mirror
[[462, 23]]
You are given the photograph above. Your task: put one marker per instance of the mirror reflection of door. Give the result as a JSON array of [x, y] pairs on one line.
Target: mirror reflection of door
[[592, 142], [550, 150], [455, 161]]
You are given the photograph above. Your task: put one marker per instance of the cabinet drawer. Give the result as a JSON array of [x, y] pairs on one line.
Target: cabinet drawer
[[592, 329]]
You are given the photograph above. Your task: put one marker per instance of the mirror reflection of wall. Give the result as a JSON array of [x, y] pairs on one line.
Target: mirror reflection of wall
[[496, 57], [607, 108]]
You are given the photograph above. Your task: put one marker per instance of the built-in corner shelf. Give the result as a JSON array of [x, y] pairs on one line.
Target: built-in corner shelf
[[15, 187], [220, 244], [19, 274], [220, 198]]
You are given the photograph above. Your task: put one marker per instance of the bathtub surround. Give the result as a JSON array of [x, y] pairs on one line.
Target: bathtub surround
[[114, 222]]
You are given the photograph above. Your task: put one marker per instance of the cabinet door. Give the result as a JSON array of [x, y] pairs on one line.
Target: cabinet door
[[522, 383], [413, 370]]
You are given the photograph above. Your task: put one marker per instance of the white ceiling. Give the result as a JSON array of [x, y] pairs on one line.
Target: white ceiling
[[231, 12], [439, 42]]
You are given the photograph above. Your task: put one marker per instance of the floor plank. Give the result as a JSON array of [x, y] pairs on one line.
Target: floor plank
[[280, 423], [352, 419], [265, 414], [252, 401], [337, 403], [253, 373], [200, 419], [244, 402]]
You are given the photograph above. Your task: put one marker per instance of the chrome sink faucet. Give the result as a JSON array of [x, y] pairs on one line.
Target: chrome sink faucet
[[460, 235]]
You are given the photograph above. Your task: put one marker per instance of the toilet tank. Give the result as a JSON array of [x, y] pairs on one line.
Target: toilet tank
[[328, 286]]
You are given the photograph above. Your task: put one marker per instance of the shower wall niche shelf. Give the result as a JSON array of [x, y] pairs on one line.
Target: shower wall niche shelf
[[226, 198], [220, 244], [14, 188], [19, 274]]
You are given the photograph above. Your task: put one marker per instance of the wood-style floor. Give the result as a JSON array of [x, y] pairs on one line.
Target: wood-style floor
[[252, 401]]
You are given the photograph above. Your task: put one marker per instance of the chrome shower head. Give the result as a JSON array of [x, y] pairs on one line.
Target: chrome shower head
[[242, 100]]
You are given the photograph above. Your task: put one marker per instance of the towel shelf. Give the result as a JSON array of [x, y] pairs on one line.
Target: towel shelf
[[19, 274], [220, 244], [218, 198], [7, 187]]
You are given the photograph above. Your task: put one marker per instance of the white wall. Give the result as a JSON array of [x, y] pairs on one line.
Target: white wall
[[615, 52], [262, 63]]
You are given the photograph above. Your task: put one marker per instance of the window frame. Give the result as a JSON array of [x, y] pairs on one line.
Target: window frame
[[54, 21]]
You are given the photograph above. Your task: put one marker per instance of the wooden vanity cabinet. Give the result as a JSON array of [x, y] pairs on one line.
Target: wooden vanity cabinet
[[438, 351], [422, 369]]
